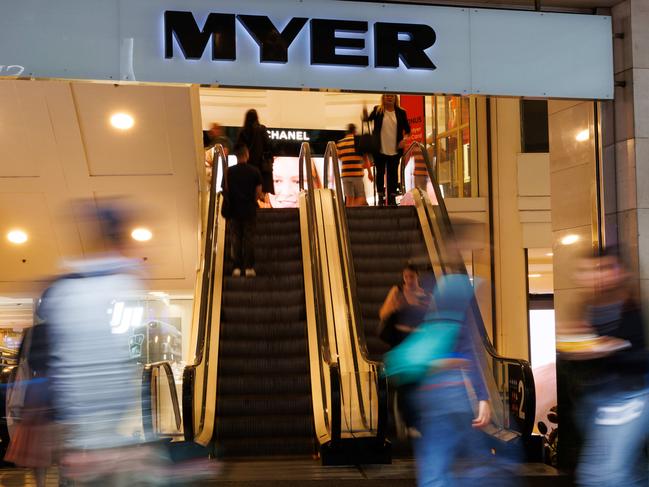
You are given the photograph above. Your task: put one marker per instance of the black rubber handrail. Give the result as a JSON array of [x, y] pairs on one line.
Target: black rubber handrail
[[207, 287], [456, 265], [345, 250], [147, 391], [324, 348]]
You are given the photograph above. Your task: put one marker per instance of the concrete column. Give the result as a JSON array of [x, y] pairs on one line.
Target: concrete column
[[625, 140]]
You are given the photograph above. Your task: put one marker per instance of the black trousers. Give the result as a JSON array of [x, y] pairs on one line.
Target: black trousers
[[387, 166], [242, 236]]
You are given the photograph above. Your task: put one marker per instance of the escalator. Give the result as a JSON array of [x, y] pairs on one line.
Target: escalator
[[263, 401], [383, 240]]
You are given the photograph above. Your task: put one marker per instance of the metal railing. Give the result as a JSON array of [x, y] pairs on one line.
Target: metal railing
[[151, 399], [451, 261], [356, 330], [206, 301], [333, 405]]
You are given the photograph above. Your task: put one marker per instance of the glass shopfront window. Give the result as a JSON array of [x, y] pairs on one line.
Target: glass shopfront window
[[452, 144]]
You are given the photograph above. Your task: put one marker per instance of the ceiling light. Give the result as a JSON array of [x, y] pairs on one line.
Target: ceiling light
[[122, 121], [17, 237], [570, 239], [534, 275], [583, 136], [141, 234], [549, 254]]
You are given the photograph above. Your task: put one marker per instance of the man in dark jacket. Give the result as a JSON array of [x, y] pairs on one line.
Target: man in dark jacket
[[244, 189], [390, 127]]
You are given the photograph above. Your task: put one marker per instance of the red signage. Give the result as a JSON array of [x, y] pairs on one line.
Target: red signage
[[414, 107]]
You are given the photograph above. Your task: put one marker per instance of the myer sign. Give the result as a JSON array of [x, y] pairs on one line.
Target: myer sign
[[330, 44]]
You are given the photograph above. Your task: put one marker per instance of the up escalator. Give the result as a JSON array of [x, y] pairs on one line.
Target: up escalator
[[263, 401]]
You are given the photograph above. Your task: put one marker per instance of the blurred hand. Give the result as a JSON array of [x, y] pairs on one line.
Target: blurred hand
[[370, 176], [484, 415]]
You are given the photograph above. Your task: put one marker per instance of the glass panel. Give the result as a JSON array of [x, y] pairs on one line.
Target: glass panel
[[447, 158], [466, 112], [441, 113], [466, 161]]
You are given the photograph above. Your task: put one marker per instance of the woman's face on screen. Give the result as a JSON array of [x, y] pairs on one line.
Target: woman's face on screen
[[286, 180]]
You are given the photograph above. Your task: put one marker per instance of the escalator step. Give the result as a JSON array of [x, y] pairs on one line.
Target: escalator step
[[260, 314], [279, 297], [269, 331], [381, 251], [265, 426], [379, 227], [256, 348], [234, 447], [275, 405], [246, 384], [385, 238], [231, 366], [383, 211], [263, 284]]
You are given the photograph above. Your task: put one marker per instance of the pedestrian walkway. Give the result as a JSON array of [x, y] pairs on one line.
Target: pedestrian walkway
[[297, 473]]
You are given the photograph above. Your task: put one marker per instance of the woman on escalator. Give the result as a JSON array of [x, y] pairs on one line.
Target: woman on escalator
[[403, 310], [404, 307]]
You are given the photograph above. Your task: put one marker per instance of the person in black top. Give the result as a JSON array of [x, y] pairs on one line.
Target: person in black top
[[244, 184], [255, 137], [390, 127], [611, 366]]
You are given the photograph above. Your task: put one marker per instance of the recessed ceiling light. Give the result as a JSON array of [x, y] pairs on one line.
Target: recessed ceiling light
[[141, 234], [534, 275], [17, 237], [570, 239], [549, 254], [122, 121], [583, 136]]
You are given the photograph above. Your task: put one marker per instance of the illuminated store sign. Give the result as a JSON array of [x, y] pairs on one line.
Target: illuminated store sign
[[392, 41], [311, 44], [289, 135]]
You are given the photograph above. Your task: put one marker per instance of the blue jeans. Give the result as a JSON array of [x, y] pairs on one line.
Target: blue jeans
[[443, 415], [615, 426]]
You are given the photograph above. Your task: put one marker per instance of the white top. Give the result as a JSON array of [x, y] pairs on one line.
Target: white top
[[389, 133]]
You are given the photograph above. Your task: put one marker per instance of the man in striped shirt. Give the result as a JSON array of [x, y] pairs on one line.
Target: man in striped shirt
[[353, 167]]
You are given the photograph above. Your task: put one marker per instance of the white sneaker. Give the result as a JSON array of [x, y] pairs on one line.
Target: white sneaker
[[250, 273], [236, 272]]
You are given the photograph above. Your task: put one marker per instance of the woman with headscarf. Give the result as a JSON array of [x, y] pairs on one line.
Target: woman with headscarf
[[255, 136]]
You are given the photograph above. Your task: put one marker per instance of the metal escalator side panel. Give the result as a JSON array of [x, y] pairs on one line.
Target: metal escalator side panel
[[431, 240], [205, 379], [320, 383], [359, 412]]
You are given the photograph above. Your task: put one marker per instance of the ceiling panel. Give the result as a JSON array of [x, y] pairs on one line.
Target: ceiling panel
[[144, 149], [20, 153], [38, 257]]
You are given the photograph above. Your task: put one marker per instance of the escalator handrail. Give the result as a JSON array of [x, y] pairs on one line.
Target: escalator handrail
[[147, 410], [207, 285], [331, 153], [447, 228], [324, 349]]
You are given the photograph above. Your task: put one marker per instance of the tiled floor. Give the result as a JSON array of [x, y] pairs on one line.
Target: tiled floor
[[280, 472]]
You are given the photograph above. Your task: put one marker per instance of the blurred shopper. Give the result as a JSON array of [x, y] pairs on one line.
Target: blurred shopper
[[353, 168], [255, 137], [33, 438], [613, 365], [244, 188], [390, 127], [215, 135], [447, 392], [94, 384]]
